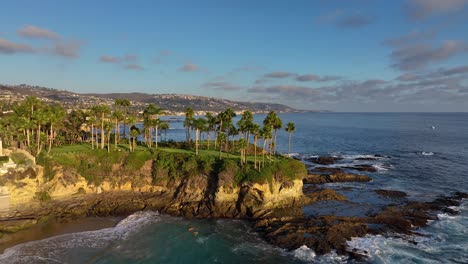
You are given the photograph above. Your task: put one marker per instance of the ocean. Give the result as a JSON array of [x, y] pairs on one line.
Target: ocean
[[422, 154]]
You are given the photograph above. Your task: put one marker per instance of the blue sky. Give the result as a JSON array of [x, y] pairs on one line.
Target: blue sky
[[356, 55]]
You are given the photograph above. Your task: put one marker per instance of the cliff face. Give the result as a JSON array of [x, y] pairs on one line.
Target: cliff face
[[192, 195]]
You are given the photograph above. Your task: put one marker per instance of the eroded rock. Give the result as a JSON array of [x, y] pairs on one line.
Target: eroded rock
[[335, 177], [325, 160]]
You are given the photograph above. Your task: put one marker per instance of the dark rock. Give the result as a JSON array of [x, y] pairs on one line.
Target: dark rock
[[325, 170], [362, 167], [367, 158], [325, 195], [337, 177], [391, 193], [326, 160]]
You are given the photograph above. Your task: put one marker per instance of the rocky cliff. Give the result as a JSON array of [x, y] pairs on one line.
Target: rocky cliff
[[35, 195]]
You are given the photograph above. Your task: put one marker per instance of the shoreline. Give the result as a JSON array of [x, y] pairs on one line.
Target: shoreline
[[55, 228]]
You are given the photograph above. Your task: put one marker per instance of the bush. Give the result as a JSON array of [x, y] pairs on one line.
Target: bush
[[20, 159], [135, 160], [4, 159], [48, 163], [42, 196]]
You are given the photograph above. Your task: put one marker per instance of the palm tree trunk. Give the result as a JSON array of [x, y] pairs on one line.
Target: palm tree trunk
[[197, 134], [102, 131], [276, 136], [220, 150], [263, 153], [271, 141], [27, 137], [96, 137], [255, 152], [92, 136], [50, 138], [289, 144], [38, 139], [115, 132], [157, 136]]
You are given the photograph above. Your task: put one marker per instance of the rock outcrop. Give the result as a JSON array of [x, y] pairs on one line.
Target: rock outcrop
[[33, 198], [338, 176]]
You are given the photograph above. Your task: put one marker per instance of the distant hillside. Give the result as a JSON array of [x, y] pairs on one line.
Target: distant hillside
[[178, 102], [170, 102]]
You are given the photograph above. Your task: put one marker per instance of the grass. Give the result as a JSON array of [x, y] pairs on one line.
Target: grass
[[95, 165], [86, 148], [71, 149]]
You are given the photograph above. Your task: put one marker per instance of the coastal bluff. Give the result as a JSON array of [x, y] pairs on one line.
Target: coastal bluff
[[180, 185]]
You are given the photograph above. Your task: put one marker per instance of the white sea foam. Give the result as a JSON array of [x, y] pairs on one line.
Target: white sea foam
[[304, 253], [441, 240], [424, 153], [381, 166], [361, 156], [53, 250], [308, 255], [447, 216], [292, 155]]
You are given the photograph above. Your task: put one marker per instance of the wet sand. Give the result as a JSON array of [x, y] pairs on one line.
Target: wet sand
[[55, 228]]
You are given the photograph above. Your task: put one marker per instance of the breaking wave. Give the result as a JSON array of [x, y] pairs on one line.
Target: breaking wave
[[60, 249]]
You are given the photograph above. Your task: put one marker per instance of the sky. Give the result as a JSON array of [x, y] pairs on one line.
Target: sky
[[350, 56]]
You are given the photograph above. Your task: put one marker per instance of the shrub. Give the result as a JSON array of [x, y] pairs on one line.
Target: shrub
[[136, 160], [42, 196], [3, 159]]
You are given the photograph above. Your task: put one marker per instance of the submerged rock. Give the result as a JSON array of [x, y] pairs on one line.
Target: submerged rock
[[326, 233], [362, 167], [391, 193], [325, 170], [335, 177], [326, 160]]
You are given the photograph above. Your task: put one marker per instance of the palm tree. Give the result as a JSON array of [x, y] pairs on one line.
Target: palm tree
[[221, 139], [125, 104], [108, 125], [278, 124], [189, 113], [266, 135], [274, 122], [245, 123], [117, 116], [199, 124], [102, 110], [56, 117], [211, 124], [134, 133], [92, 121], [40, 117], [255, 130], [290, 128], [226, 124], [132, 121], [242, 145], [156, 123], [151, 121], [164, 126]]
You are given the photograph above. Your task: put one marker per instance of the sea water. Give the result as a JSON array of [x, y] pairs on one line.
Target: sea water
[[425, 155]]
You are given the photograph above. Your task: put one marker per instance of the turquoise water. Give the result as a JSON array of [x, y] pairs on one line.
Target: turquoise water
[[425, 155]]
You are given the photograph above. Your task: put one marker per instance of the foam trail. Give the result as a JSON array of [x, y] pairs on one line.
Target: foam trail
[[55, 249]]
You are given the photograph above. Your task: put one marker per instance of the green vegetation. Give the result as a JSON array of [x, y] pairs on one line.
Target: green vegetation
[[173, 165], [42, 196], [3, 159], [90, 143]]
